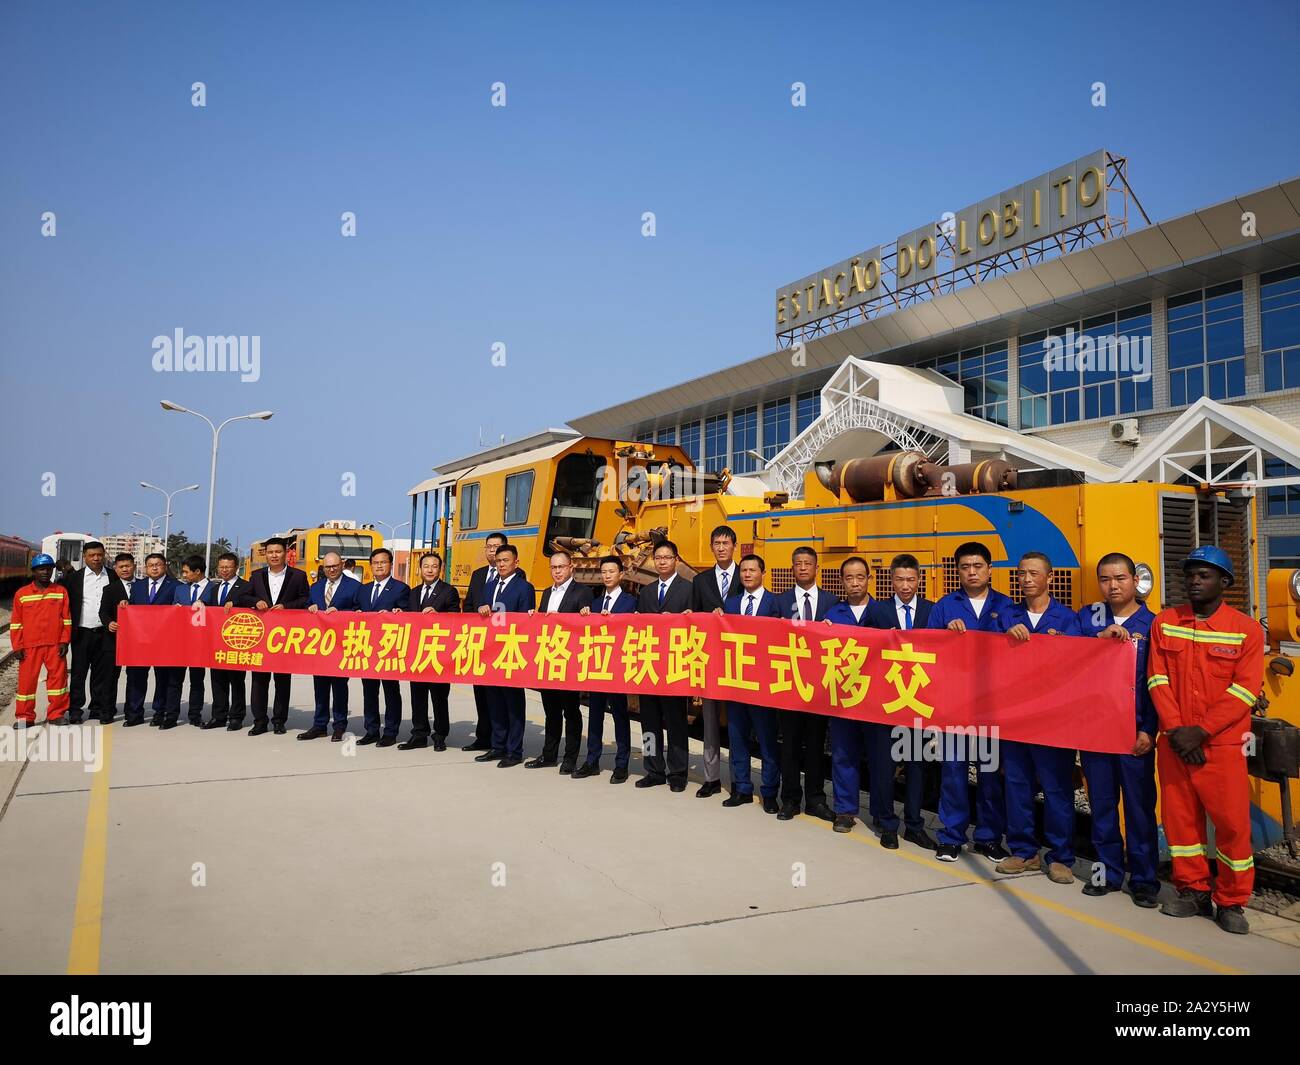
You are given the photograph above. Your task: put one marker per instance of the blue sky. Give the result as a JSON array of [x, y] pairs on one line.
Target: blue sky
[[519, 225]]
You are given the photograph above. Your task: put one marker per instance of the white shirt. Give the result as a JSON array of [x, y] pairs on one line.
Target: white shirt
[[92, 593], [757, 595], [200, 584], [350, 573], [500, 586], [718, 571], [377, 589], [665, 585], [812, 594], [902, 617], [858, 611], [229, 591], [613, 598], [1034, 619], [558, 592], [977, 605], [426, 592], [274, 582]]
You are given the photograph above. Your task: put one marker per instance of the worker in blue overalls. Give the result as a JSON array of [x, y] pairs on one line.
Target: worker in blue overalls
[[1121, 615], [976, 606], [1038, 613]]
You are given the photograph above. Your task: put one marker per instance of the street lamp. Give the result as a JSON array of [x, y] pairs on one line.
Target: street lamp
[[392, 529], [261, 416], [152, 521], [167, 517]]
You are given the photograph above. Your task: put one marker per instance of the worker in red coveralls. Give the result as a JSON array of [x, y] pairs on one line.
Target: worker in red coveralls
[[40, 630], [1205, 669]]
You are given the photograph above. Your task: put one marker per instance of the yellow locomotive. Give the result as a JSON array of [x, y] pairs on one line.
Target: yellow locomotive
[[309, 545]]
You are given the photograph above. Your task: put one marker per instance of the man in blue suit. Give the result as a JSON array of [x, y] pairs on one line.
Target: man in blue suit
[[332, 593], [157, 589], [1038, 612], [228, 696], [846, 733], [384, 594], [753, 601], [512, 594], [611, 600], [803, 735], [905, 609], [975, 606], [192, 591]]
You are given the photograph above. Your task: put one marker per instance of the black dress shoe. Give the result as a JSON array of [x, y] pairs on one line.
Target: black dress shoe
[[538, 763], [650, 782], [994, 852], [367, 739], [312, 733], [844, 822], [921, 839], [386, 741], [73, 719], [235, 726], [476, 746], [166, 725], [132, 724], [278, 729], [619, 776], [788, 811], [258, 730], [490, 755], [508, 763], [214, 723], [412, 745], [587, 769], [708, 788], [439, 744], [676, 785], [737, 799], [155, 722], [820, 809], [889, 840], [1146, 897], [566, 769], [771, 805], [1098, 890], [337, 735]]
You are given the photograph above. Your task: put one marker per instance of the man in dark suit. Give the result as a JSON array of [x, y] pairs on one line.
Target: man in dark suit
[[511, 593], [432, 595], [803, 735], [670, 594], [611, 600], [479, 593], [709, 592], [754, 601], [117, 593], [846, 733], [905, 609], [332, 593], [383, 594], [157, 589], [191, 593], [563, 712], [276, 586], [86, 588], [221, 594]]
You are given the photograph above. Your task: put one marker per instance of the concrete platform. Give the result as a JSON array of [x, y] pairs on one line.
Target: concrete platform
[[215, 852]]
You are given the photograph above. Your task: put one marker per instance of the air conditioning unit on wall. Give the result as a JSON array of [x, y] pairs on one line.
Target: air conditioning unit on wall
[[1125, 431]]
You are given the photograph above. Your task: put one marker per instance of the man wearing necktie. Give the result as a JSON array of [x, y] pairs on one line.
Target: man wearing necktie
[[562, 709], [482, 583], [117, 593], [190, 594], [228, 699], [332, 593], [613, 600], [384, 594], [669, 594], [710, 590], [511, 594], [432, 595], [158, 588], [803, 735]]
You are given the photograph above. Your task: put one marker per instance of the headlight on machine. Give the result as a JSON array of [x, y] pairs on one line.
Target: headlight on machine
[[1295, 584], [1146, 580]]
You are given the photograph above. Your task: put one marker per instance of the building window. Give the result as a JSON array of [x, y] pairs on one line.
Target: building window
[[1096, 368], [1283, 499], [982, 373], [744, 439], [467, 507], [1279, 327], [519, 494], [645, 438], [715, 444], [691, 441], [776, 427], [1284, 552], [1207, 346], [666, 436], [808, 405]]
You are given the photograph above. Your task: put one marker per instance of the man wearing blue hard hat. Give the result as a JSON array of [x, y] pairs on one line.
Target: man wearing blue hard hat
[[1205, 670], [40, 630]]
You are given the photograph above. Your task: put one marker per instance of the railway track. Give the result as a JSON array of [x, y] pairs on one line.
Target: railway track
[[6, 657]]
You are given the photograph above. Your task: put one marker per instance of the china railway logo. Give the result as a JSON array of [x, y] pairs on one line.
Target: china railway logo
[[242, 631]]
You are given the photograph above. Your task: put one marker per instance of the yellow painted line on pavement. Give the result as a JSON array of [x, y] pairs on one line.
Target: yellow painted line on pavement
[[1009, 887], [88, 919]]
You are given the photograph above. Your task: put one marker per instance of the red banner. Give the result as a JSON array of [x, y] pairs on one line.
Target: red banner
[[1063, 691]]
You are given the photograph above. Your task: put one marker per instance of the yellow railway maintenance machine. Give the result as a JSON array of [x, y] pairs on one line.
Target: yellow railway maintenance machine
[[308, 547], [596, 497]]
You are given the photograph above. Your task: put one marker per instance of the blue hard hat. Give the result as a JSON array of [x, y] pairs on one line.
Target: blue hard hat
[[1211, 556], [42, 560]]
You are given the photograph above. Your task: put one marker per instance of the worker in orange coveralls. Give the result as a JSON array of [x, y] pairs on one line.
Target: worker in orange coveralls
[[1205, 670], [40, 630]]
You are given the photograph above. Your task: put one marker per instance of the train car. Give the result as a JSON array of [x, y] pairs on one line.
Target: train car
[[15, 563], [596, 496], [309, 545], [65, 547]]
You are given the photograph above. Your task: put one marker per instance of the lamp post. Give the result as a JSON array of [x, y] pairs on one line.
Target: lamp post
[[167, 517], [152, 521], [261, 416]]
